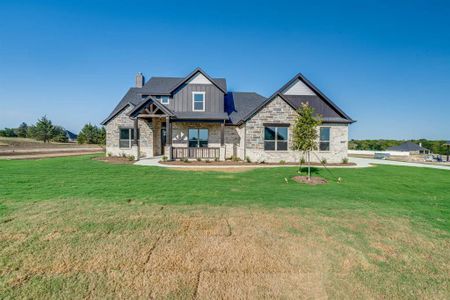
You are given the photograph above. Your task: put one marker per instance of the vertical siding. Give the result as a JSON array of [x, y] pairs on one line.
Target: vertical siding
[[182, 99]]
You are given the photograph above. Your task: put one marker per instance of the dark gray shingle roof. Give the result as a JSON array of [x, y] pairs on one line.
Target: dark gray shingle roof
[[201, 116], [239, 105], [407, 146], [165, 85], [133, 97]]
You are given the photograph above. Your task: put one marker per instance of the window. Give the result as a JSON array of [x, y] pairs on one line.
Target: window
[[163, 99], [126, 137], [275, 138], [324, 144], [198, 137], [198, 101]]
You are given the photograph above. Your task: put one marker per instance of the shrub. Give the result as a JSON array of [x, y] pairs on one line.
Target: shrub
[[282, 162], [207, 161], [345, 160], [247, 159], [185, 160], [164, 158], [302, 161], [123, 154], [235, 158], [323, 161], [216, 159], [109, 154], [199, 159], [131, 157]]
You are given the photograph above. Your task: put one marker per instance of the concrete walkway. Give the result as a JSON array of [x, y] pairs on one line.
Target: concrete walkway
[[366, 162], [360, 163]]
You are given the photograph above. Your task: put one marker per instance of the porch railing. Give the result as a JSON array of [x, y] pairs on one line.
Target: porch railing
[[192, 152]]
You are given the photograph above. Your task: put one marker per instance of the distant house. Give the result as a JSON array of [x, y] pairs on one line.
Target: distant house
[[410, 147], [197, 117], [71, 137]]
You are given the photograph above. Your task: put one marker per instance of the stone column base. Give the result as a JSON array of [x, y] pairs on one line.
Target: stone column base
[[222, 153]]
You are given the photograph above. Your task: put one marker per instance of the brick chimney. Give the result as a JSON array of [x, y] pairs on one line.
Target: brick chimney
[[140, 80]]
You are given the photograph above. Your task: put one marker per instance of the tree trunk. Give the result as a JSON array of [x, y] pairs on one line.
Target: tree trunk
[[309, 165]]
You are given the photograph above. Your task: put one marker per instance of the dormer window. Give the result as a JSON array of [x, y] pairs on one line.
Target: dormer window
[[198, 101], [163, 99]]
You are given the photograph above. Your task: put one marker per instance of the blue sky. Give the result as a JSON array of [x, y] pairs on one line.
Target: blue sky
[[386, 63]]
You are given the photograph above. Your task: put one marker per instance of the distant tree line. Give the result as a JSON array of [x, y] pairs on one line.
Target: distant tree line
[[45, 131], [435, 146]]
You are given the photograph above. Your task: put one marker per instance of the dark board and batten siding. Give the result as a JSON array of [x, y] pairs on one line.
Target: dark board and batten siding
[[182, 99]]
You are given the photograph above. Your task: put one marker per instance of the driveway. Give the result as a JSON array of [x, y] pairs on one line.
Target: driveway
[[366, 162]]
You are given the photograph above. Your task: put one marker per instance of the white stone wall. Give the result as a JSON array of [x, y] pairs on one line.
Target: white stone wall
[[278, 111]]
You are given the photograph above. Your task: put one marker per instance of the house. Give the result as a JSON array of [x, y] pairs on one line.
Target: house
[[410, 147], [197, 117], [71, 137]]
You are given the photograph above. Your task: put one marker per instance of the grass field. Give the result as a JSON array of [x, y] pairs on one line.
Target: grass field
[[80, 228]]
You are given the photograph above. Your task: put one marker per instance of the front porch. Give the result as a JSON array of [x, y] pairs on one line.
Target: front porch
[[177, 136]]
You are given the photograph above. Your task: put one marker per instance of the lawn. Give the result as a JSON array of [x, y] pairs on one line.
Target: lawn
[[76, 227]]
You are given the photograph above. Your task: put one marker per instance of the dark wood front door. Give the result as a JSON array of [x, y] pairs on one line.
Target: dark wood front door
[[163, 140]]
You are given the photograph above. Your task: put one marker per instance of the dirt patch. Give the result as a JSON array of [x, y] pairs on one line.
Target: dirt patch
[[38, 155], [115, 160], [311, 181]]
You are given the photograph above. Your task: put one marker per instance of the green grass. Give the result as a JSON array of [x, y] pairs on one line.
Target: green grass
[[81, 228], [420, 194]]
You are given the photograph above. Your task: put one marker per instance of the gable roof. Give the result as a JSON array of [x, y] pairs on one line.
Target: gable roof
[[195, 72], [238, 105], [141, 106], [132, 97], [407, 146], [330, 111]]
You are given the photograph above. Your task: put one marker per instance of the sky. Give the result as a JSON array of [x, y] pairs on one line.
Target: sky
[[385, 63]]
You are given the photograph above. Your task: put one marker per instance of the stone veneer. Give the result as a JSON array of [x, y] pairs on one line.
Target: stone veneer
[[244, 141], [122, 120], [278, 111]]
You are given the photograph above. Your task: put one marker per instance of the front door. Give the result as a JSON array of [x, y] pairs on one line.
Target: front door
[[163, 140]]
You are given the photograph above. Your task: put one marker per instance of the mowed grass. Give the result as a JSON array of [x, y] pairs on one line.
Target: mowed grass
[[80, 228]]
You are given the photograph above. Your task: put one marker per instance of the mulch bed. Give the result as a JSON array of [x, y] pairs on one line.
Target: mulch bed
[[312, 181], [241, 163], [115, 160]]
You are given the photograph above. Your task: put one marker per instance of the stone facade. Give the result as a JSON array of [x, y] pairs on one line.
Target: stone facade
[[241, 141], [278, 111], [122, 120]]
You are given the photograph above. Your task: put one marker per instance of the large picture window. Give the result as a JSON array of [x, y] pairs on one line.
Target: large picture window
[[126, 137], [276, 138], [324, 144], [198, 101], [198, 137]]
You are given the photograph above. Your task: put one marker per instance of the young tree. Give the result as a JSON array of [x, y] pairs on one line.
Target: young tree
[[22, 130], [44, 130], [305, 133]]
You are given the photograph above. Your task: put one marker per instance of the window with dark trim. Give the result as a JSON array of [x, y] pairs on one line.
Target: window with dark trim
[[163, 99], [275, 138], [324, 143], [198, 137], [126, 137]]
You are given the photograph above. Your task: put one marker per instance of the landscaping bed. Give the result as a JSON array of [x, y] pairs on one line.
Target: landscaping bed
[[244, 163]]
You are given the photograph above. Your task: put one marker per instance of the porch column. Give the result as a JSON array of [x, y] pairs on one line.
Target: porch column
[[168, 138], [135, 145], [222, 134]]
